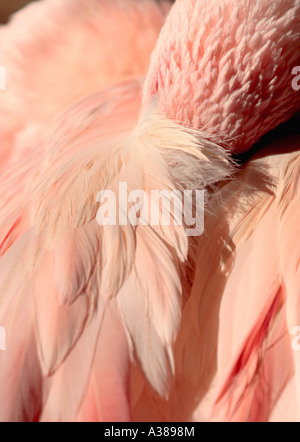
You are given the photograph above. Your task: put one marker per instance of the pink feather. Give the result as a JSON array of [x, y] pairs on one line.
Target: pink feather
[[129, 323]]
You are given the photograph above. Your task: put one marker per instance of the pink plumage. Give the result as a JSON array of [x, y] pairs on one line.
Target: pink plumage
[[225, 67], [131, 323]]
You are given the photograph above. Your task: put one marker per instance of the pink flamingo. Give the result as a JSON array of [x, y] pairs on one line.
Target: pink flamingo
[[140, 322]]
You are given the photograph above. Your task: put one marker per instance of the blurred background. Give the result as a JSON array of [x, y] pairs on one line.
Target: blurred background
[[8, 7]]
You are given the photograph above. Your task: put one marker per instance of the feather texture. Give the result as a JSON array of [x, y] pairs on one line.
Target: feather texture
[[140, 316]]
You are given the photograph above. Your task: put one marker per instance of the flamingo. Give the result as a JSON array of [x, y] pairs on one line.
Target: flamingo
[[134, 323]]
